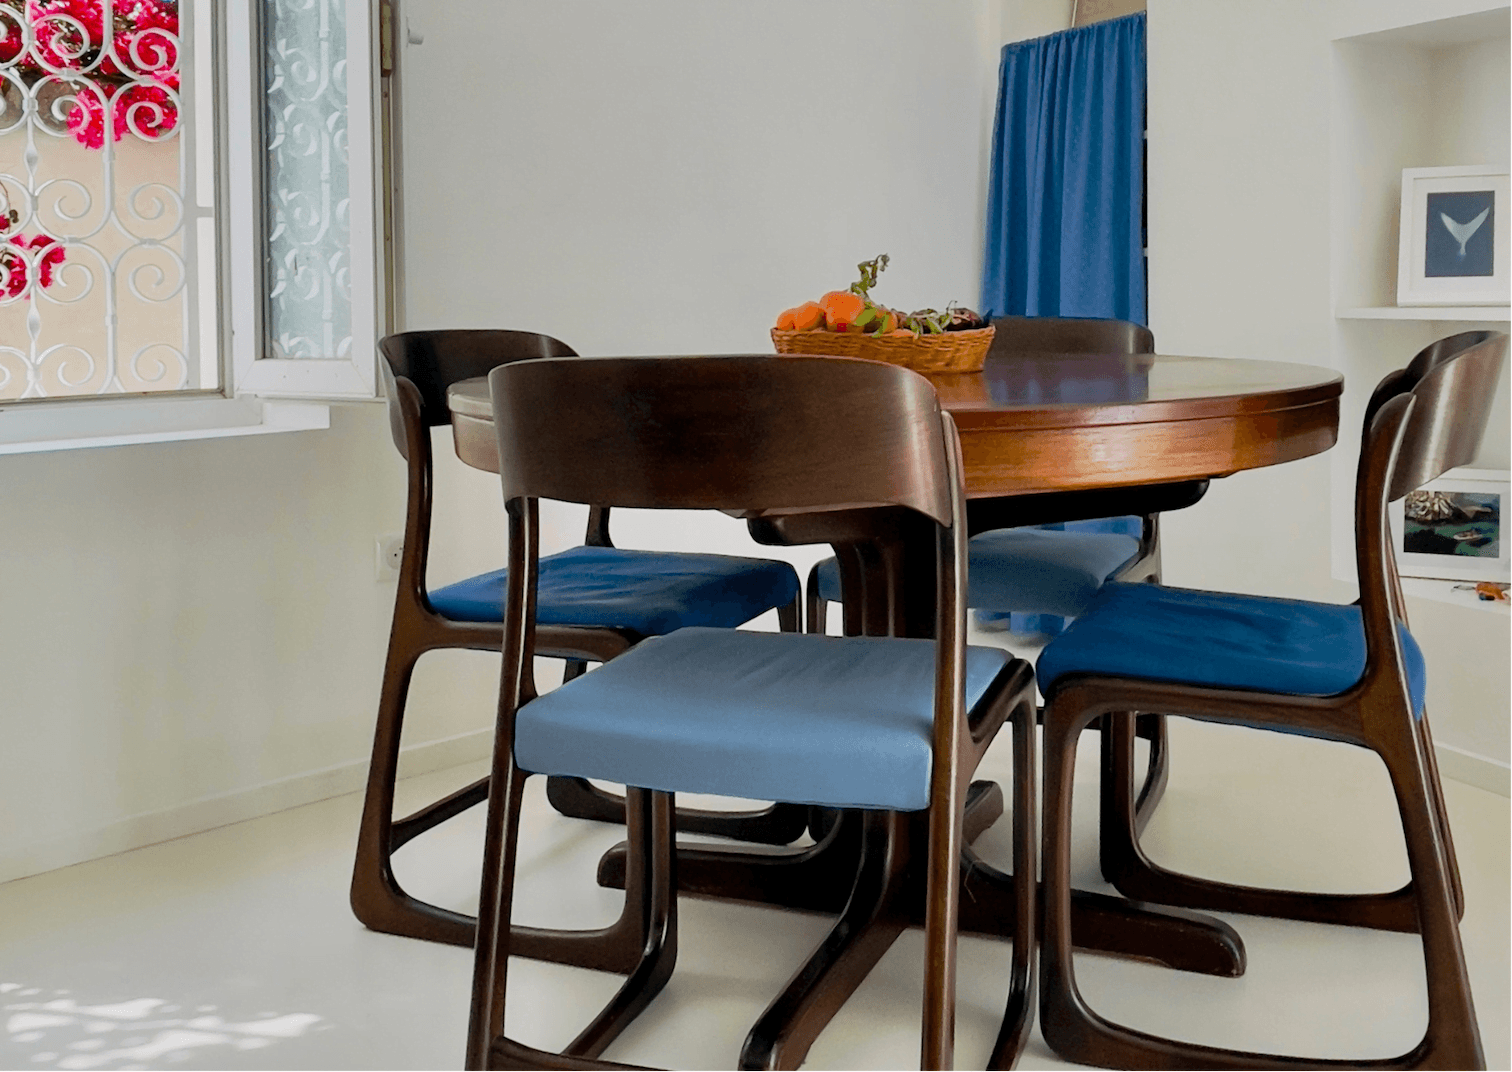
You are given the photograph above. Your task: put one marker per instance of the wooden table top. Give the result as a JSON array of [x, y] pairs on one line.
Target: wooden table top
[[1033, 423]]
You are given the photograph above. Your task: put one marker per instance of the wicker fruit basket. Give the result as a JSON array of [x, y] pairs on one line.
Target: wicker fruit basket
[[948, 351]]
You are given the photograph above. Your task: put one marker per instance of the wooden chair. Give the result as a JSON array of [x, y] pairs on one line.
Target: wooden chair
[[1343, 673], [1049, 570], [599, 601], [890, 725], [1124, 862]]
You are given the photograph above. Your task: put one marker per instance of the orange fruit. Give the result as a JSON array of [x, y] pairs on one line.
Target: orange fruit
[[841, 308], [807, 317]]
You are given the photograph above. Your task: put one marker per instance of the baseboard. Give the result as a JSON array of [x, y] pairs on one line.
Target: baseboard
[[222, 809], [1473, 769]]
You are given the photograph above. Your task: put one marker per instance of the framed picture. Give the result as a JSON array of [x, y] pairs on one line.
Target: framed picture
[[1454, 236], [1451, 527]]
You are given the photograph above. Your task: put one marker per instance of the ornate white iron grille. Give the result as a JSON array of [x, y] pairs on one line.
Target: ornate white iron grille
[[106, 240], [307, 192]]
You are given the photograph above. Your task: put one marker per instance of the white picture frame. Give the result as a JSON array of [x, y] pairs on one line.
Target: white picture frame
[[1432, 548], [1443, 252]]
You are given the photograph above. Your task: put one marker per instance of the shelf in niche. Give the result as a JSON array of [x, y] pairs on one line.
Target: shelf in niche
[[1488, 313], [1455, 593]]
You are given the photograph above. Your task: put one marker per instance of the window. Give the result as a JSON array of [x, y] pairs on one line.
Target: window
[[107, 212], [187, 216]]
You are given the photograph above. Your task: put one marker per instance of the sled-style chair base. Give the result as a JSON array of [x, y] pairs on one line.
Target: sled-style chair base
[[1135, 875], [890, 726], [1352, 674], [598, 601]]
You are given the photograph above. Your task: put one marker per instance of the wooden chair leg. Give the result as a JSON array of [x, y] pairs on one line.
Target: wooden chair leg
[[1136, 876], [650, 823], [381, 904], [1436, 790], [377, 899], [1452, 1039], [1079, 1034], [1017, 1018], [869, 924], [653, 847], [817, 611], [1157, 770]]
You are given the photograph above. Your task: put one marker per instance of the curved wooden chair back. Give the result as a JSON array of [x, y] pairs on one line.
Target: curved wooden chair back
[[1426, 360], [740, 433], [1416, 434], [748, 433], [1454, 399], [1422, 420], [1070, 335], [434, 360]]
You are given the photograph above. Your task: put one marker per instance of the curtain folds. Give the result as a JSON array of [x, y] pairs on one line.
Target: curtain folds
[[1064, 208]]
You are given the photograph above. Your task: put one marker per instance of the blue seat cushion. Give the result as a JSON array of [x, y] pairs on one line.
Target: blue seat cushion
[[1032, 571], [647, 592], [843, 722], [1221, 639]]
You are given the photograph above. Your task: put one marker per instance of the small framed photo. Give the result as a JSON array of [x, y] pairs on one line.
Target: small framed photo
[[1454, 236], [1450, 528]]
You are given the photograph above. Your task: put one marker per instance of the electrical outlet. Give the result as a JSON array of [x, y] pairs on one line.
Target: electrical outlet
[[388, 553]]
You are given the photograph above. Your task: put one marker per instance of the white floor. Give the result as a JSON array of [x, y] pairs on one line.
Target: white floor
[[235, 948]]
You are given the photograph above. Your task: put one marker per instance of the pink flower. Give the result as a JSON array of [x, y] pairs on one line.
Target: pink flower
[[149, 43], [18, 269], [11, 35], [69, 36], [147, 111]]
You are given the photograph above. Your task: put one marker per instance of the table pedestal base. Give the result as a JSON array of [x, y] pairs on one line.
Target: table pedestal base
[[821, 877]]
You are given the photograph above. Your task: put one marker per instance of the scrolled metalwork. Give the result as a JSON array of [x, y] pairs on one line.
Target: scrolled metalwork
[[97, 295], [306, 181]]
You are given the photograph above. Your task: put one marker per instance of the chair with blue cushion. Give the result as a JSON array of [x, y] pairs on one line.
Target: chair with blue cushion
[[1124, 862], [1041, 575], [1341, 673], [891, 726], [597, 601]]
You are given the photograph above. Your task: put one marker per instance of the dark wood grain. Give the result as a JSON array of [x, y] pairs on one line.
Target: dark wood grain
[[1027, 427], [1420, 422], [750, 433]]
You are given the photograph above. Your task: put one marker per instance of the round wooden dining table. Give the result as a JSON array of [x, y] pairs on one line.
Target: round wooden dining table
[[1044, 438]]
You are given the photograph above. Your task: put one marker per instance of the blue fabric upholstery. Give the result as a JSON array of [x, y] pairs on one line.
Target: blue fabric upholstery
[[837, 721], [1034, 571], [1216, 638], [649, 592], [1064, 234]]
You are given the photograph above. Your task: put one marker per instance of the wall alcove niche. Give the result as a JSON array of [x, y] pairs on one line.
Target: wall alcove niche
[[1416, 83]]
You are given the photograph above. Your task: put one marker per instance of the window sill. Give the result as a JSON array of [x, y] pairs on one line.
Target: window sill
[[32, 427]]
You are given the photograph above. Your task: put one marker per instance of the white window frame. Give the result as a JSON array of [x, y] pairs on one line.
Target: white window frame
[[258, 395]]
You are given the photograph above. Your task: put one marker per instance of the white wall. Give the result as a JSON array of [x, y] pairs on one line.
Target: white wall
[[667, 178], [192, 633], [1240, 149]]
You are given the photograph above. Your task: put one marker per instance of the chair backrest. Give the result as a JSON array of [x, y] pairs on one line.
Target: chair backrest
[[1070, 335], [1415, 434], [741, 432], [1454, 393], [434, 360], [1425, 361]]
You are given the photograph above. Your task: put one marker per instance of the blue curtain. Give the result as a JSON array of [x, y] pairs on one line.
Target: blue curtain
[[1064, 206], [1065, 234]]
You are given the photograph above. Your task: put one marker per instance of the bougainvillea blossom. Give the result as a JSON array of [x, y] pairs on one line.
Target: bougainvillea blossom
[[139, 71], [16, 265], [148, 111]]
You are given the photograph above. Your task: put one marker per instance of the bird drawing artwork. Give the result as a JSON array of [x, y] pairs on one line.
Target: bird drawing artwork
[[1463, 232]]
